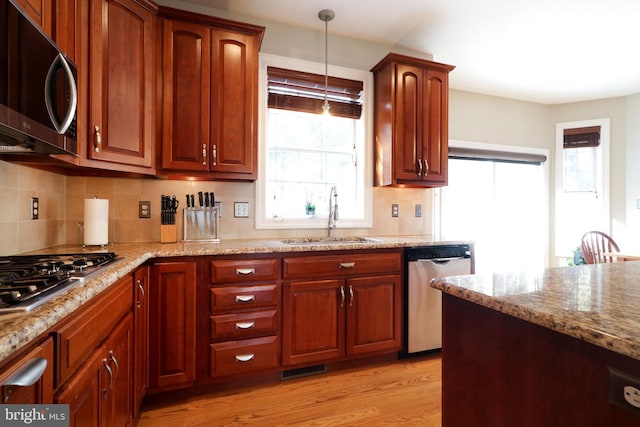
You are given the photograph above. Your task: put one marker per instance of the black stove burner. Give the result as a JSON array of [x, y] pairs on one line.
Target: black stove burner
[[27, 281]]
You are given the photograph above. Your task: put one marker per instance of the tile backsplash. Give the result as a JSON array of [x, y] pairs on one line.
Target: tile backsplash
[[62, 209]]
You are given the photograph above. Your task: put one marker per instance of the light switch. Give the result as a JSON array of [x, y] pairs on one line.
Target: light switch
[[241, 209]]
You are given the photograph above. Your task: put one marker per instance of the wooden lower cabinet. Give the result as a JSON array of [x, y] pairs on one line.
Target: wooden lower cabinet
[[334, 318], [31, 360], [172, 334], [141, 336], [100, 392]]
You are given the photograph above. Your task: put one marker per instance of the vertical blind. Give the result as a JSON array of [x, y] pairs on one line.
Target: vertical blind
[[305, 92]]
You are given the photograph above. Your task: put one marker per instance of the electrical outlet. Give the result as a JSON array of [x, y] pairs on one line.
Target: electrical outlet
[[144, 209], [624, 390], [394, 210], [418, 210], [35, 208], [241, 209]]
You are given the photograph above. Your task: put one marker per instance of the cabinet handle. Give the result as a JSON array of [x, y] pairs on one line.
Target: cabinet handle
[[347, 264], [341, 296], [245, 298], [426, 167], [97, 139], [115, 362], [245, 271], [106, 391], [214, 154], [350, 296], [244, 357], [204, 155], [141, 289], [26, 376], [419, 163], [245, 325]]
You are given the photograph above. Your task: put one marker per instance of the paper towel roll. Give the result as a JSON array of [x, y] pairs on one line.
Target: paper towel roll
[[96, 221]]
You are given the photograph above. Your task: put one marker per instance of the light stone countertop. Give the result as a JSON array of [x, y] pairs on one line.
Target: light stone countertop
[[599, 304], [18, 329]]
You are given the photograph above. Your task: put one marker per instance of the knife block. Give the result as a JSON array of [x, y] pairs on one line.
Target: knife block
[[201, 224], [168, 233]]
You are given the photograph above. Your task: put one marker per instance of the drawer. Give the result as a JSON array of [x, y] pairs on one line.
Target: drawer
[[244, 325], [86, 330], [238, 357], [243, 270], [341, 265], [239, 297]]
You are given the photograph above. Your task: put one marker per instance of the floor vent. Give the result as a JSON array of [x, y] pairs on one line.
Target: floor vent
[[303, 372]]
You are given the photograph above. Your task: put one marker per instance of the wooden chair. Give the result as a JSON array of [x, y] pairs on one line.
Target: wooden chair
[[595, 244]]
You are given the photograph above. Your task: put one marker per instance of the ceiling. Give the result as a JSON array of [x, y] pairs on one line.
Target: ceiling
[[545, 51]]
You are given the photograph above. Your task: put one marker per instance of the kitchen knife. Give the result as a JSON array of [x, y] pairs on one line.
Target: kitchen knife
[[188, 202], [200, 198], [206, 200]]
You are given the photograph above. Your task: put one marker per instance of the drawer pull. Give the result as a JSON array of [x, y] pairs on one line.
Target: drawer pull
[[245, 298], [347, 264], [245, 325], [245, 271], [244, 357], [26, 376]]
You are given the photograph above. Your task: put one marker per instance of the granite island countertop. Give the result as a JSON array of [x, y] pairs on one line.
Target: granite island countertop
[[18, 329], [598, 304]]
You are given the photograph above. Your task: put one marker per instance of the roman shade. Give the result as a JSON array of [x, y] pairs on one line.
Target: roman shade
[[305, 92], [581, 137], [495, 156]]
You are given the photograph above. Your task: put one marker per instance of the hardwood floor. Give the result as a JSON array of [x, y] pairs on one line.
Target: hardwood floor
[[406, 392]]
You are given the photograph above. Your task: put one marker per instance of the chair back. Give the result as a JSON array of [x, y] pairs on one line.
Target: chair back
[[595, 244]]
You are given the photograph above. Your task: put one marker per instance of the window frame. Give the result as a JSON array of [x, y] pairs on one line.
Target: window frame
[[263, 220], [603, 186]]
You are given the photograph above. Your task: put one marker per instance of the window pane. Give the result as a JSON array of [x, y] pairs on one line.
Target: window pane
[[579, 169]]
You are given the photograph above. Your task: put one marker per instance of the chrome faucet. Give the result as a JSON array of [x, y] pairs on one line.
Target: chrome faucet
[[333, 210]]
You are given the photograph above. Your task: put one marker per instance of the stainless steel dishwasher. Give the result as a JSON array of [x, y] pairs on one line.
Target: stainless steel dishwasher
[[423, 304]]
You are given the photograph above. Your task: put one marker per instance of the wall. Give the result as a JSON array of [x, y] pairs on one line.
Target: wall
[[18, 232]]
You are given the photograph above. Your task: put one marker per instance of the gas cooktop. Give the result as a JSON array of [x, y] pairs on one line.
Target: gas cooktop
[[27, 281]]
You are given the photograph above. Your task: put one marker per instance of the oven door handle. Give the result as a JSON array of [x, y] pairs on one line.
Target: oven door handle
[[59, 63], [28, 375]]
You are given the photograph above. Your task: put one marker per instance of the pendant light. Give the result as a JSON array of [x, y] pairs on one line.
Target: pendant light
[[326, 15]]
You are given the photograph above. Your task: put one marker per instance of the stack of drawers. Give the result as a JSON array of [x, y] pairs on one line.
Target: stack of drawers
[[244, 316]]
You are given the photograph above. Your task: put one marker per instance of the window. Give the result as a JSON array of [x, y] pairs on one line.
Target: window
[[582, 201], [304, 153], [497, 198]]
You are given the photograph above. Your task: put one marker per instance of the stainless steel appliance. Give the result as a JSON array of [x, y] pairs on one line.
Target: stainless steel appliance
[[38, 95], [423, 304], [28, 281]]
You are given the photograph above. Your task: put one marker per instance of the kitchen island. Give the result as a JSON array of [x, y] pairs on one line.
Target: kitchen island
[[549, 348]]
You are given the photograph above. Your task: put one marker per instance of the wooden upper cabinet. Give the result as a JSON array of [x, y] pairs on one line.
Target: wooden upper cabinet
[[209, 97], [40, 11], [185, 104], [234, 101], [121, 94], [411, 122]]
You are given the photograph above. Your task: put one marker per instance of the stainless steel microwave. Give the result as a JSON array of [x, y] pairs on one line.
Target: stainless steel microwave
[[38, 93]]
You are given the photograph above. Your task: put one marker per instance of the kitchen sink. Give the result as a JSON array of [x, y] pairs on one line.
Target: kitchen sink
[[303, 241]]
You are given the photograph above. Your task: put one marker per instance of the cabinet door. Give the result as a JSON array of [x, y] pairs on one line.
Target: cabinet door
[[408, 123], [172, 348], [234, 105], [42, 390], [40, 11], [116, 404], [374, 316], [121, 83], [313, 321], [84, 394], [185, 96], [141, 336], [435, 147]]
